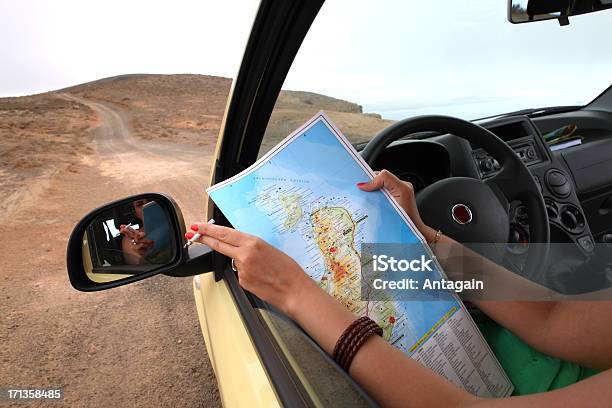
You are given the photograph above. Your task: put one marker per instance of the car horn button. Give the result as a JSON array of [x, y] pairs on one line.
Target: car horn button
[[461, 214]]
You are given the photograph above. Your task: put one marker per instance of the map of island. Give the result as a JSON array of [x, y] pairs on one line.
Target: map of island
[[293, 208], [304, 201], [301, 197], [334, 232]]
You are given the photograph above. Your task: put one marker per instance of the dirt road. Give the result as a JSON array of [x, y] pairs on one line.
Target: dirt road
[[138, 345]]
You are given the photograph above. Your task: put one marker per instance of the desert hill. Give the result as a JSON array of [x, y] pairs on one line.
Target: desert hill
[[190, 107], [293, 108], [43, 133], [174, 107]]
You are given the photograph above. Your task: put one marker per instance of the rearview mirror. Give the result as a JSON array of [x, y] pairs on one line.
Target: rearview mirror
[[526, 11], [132, 239]]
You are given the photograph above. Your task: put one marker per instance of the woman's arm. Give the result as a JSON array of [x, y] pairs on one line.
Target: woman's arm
[[577, 331], [387, 374], [571, 330], [595, 391]]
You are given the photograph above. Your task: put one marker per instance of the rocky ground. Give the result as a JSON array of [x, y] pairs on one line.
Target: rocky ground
[[139, 345]]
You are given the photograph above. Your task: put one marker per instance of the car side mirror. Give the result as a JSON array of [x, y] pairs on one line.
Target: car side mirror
[[132, 239]]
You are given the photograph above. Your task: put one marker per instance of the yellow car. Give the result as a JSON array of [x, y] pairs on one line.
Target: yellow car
[[551, 192]]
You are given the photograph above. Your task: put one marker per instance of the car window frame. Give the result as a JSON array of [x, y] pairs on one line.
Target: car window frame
[[279, 28]]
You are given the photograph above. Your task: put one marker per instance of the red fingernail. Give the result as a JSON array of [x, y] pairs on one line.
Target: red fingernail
[[189, 235], [362, 184], [195, 227]]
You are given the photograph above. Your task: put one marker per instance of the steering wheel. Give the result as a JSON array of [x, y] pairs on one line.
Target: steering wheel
[[471, 210]]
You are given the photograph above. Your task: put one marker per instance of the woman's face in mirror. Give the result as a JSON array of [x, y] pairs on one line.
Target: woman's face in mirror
[[138, 204]]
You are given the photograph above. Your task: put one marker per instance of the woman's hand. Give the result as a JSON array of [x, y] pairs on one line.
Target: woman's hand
[[403, 192], [262, 269], [134, 245]]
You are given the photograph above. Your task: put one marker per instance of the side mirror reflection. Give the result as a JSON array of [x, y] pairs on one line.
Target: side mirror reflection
[[132, 239], [128, 239]]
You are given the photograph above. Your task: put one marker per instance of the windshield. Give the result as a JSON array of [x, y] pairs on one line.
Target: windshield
[[405, 58]]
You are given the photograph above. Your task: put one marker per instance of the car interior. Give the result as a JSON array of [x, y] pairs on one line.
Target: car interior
[[576, 183], [573, 181]]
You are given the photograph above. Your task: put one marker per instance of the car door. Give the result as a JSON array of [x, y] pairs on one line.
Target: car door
[[260, 358]]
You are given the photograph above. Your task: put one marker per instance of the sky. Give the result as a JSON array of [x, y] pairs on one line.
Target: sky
[[53, 44], [398, 58], [447, 57]]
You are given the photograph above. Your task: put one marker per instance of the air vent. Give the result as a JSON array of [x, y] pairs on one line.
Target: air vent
[[558, 183]]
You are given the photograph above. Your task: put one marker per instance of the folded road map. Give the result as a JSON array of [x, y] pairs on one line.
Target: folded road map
[[301, 197]]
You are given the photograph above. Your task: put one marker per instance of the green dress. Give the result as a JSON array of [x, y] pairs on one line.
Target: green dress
[[529, 370]]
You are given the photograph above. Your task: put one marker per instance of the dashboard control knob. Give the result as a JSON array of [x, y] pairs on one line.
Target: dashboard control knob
[[569, 220], [551, 209], [486, 165], [572, 219], [531, 153]]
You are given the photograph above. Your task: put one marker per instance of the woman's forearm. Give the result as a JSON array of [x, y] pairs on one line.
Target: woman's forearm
[[556, 328], [387, 374], [320, 315], [526, 319]]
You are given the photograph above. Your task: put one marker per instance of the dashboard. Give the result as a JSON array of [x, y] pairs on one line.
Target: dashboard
[[425, 159], [420, 162], [575, 183], [524, 140]]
